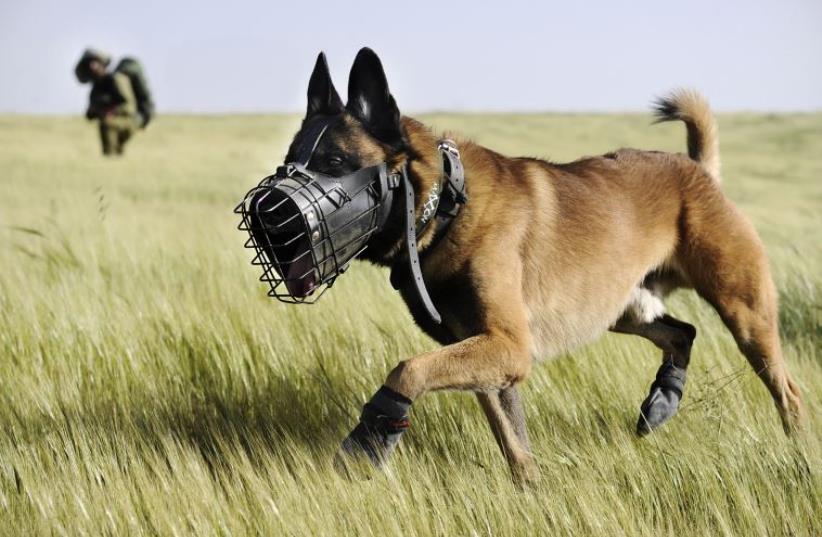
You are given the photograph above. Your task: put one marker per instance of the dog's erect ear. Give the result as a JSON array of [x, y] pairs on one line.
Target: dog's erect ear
[[369, 99], [322, 96]]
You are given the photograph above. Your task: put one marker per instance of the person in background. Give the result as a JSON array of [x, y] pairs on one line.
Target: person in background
[[119, 98]]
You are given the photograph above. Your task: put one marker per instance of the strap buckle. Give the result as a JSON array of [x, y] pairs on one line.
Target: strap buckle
[[394, 180], [455, 175], [449, 146], [284, 171]]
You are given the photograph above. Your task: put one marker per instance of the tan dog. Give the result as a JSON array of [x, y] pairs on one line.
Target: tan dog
[[545, 257]]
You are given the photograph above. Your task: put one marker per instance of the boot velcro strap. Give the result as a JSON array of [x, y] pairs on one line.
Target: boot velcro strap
[[399, 425], [670, 377]]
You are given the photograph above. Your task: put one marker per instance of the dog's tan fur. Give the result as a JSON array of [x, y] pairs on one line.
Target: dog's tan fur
[[556, 255]]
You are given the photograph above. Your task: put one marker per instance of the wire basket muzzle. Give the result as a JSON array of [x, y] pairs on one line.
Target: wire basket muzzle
[[305, 227]]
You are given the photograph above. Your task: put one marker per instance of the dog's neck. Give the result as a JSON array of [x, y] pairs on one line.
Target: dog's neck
[[424, 163], [422, 142]]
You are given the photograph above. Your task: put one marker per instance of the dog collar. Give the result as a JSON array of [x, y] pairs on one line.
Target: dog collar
[[445, 198], [447, 194]]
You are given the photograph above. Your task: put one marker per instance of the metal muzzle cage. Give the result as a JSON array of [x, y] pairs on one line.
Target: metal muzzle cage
[[306, 227]]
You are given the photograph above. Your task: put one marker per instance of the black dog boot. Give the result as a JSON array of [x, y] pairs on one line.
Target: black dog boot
[[663, 400], [383, 420]]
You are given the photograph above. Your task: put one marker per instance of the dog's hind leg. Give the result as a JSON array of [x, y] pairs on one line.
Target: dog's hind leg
[[675, 338], [507, 420], [726, 263], [757, 336], [739, 287]]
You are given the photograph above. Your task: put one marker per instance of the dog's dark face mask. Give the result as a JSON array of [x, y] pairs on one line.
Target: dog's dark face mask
[[335, 193]]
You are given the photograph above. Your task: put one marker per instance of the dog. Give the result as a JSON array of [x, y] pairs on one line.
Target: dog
[[545, 257]]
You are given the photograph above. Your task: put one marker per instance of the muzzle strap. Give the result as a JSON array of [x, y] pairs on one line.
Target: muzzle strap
[[313, 134]]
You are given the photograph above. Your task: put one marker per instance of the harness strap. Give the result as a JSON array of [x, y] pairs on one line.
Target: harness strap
[[413, 254], [445, 198]]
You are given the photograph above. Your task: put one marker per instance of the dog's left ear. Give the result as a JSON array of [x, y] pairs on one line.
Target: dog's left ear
[[369, 99]]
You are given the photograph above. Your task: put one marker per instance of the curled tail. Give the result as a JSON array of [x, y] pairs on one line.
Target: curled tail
[[692, 108]]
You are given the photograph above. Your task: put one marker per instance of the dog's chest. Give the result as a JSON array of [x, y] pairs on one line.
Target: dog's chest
[[456, 302]]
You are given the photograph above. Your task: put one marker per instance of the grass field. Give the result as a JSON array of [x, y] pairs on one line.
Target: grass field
[[148, 386]]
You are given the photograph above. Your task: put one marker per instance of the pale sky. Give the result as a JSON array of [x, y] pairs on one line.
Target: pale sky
[[256, 55]]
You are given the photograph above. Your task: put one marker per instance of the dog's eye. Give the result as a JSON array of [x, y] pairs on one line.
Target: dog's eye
[[335, 162]]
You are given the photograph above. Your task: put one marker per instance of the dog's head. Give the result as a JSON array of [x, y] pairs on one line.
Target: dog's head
[[346, 188], [363, 132], [366, 131]]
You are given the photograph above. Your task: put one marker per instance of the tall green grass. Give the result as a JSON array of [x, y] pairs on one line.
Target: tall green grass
[[147, 386]]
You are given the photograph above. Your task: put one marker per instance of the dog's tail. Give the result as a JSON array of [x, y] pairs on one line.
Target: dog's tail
[[692, 107]]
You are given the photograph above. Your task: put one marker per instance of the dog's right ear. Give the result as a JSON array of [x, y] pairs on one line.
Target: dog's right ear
[[369, 99], [322, 96]]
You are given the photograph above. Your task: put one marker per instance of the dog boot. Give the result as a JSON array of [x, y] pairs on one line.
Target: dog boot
[[663, 400], [383, 420]]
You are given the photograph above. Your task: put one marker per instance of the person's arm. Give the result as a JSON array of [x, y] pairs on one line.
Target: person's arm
[[95, 108]]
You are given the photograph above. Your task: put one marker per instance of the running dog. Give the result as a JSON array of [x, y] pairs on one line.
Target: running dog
[[544, 257]]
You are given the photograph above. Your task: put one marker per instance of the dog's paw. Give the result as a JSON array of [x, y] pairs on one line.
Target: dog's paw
[[525, 474], [353, 464], [383, 420], [370, 444], [663, 400]]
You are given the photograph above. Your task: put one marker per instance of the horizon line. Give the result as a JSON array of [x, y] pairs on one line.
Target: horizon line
[[522, 112]]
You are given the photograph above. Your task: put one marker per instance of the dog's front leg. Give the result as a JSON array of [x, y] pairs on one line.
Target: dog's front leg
[[489, 362], [507, 419]]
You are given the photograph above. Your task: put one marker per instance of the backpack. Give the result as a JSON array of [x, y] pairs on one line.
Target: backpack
[[134, 70]]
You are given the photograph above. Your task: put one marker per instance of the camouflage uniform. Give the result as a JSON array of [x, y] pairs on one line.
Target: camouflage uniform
[[112, 102]]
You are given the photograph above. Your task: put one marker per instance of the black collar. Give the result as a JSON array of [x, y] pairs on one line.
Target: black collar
[[445, 198], [450, 194]]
